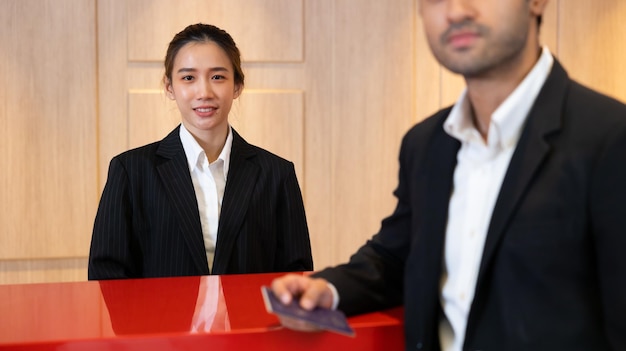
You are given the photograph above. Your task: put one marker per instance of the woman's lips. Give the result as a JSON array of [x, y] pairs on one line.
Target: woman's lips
[[205, 111]]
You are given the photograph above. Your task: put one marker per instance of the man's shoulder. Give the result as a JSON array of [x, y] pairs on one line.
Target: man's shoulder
[[592, 110], [429, 125], [582, 95], [579, 98]]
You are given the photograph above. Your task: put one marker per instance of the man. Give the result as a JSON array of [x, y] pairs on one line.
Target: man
[[510, 227]]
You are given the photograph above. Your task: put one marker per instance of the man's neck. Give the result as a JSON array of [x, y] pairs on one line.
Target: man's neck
[[488, 91]]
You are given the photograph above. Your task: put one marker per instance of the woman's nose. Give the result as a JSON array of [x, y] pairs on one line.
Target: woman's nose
[[205, 89]]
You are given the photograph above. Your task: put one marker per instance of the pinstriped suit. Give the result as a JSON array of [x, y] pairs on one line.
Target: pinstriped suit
[[148, 224]]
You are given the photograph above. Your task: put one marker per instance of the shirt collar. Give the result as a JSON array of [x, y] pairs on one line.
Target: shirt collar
[[508, 119], [195, 154]]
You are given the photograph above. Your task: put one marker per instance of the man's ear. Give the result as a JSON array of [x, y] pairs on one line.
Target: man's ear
[[538, 7]]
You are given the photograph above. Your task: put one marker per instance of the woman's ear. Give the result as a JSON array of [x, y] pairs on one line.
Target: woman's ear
[[169, 90], [238, 89]]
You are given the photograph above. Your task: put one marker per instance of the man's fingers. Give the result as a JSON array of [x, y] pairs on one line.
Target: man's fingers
[[318, 294], [287, 287], [312, 292]]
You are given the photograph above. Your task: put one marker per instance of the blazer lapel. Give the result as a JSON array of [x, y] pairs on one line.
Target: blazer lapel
[[532, 149], [441, 161], [434, 179], [174, 172], [242, 177]]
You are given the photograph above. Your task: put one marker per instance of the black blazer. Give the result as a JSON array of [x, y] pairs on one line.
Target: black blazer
[[148, 224], [553, 271]]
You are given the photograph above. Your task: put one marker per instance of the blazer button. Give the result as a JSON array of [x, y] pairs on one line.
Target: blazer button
[[419, 345]]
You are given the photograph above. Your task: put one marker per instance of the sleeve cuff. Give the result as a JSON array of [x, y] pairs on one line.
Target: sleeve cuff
[[333, 290]]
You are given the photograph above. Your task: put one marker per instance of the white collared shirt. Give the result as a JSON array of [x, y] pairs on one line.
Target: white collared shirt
[[209, 181], [478, 176]]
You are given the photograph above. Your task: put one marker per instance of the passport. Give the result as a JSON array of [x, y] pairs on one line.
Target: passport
[[323, 318]]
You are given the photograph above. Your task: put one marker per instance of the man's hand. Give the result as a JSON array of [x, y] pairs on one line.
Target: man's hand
[[312, 292]]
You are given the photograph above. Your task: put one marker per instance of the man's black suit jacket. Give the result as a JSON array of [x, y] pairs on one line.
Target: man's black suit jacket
[[148, 223], [553, 271]]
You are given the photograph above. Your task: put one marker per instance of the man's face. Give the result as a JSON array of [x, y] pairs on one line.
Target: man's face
[[476, 37]]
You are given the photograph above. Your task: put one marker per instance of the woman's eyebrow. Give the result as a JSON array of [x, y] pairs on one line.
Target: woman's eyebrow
[[212, 69]]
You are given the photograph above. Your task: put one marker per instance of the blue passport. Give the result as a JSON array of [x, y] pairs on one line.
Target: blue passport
[[326, 319]]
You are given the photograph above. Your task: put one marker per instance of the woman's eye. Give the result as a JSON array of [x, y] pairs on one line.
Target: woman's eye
[[217, 77], [187, 77]]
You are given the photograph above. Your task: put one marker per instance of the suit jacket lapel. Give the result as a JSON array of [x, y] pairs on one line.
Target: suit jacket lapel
[[441, 159], [532, 149], [440, 164], [174, 172], [242, 177]]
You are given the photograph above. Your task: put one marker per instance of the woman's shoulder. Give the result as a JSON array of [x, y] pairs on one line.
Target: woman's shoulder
[[166, 147], [264, 156], [139, 152], [269, 158]]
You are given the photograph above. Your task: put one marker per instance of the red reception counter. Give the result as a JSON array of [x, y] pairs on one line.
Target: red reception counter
[[188, 313]]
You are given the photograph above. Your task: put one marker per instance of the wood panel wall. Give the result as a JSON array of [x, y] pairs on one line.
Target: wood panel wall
[[48, 138], [330, 84]]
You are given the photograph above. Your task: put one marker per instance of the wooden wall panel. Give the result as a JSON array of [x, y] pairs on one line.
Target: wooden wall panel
[[43, 270], [549, 28], [360, 90], [319, 76], [592, 45], [113, 84], [427, 80], [48, 118], [151, 116], [273, 119], [269, 30], [273, 76]]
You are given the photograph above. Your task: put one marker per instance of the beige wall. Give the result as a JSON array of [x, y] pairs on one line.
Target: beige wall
[[330, 84]]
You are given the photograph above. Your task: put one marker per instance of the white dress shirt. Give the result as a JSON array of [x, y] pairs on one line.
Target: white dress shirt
[[209, 181], [480, 170]]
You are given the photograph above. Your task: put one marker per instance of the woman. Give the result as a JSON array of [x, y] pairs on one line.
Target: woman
[[202, 200]]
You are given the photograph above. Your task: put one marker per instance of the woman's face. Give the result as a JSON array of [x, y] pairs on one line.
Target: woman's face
[[203, 86]]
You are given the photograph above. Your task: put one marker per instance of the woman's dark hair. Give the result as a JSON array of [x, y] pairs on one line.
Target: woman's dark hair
[[203, 33]]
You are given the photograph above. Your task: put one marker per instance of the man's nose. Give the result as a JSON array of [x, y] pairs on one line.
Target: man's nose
[[459, 10]]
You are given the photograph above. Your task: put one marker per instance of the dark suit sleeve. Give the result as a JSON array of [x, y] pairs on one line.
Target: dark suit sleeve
[[294, 246], [110, 255], [608, 222]]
